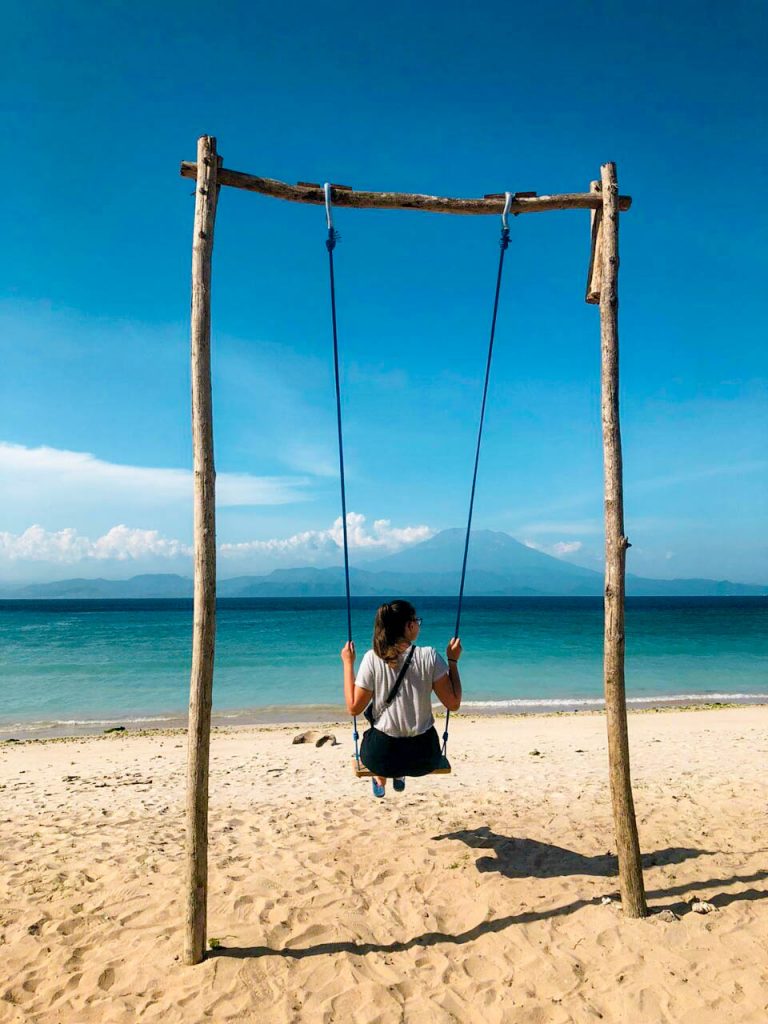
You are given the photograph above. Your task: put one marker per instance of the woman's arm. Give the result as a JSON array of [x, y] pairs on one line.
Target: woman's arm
[[356, 697], [448, 687]]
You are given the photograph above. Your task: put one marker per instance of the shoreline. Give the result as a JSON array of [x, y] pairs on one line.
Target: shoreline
[[294, 715]]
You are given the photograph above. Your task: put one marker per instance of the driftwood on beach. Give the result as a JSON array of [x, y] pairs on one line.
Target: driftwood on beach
[[605, 203]]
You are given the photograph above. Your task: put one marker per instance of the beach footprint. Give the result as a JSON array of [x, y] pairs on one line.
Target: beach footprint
[[479, 969], [242, 903], [106, 979]]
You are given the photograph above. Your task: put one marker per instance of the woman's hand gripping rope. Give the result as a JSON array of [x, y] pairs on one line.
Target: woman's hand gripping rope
[[454, 649]]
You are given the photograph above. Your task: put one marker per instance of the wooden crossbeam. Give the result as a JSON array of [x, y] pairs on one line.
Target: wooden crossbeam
[[308, 192]]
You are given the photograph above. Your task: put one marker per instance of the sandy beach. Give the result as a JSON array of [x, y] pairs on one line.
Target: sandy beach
[[475, 897]]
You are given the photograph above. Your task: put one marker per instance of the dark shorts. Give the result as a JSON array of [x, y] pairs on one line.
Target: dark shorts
[[395, 756]]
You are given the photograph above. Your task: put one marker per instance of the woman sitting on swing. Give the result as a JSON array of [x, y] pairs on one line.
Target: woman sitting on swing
[[394, 685]]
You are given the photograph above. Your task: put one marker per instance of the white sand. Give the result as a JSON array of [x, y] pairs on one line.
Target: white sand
[[474, 897]]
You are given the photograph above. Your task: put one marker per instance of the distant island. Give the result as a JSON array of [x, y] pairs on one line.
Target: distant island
[[499, 566]]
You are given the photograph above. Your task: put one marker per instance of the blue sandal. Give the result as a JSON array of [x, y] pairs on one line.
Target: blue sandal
[[398, 785], [378, 790]]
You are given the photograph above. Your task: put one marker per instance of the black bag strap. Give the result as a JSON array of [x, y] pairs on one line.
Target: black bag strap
[[400, 676]]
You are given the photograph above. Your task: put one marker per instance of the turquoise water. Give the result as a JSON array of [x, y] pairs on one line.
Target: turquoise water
[[70, 665]]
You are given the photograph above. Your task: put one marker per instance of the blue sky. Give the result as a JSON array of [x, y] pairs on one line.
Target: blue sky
[[100, 103]]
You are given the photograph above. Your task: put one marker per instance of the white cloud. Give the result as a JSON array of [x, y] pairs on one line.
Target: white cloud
[[313, 543], [45, 475], [135, 550], [558, 550], [65, 547], [567, 547]]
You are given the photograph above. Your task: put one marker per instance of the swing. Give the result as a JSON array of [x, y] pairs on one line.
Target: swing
[[444, 768], [361, 772]]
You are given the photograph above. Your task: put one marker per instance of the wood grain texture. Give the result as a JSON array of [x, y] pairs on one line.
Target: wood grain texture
[[204, 627], [595, 271], [616, 544], [309, 193]]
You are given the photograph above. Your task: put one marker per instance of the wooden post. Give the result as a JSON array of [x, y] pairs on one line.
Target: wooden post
[[616, 544], [595, 272], [204, 629]]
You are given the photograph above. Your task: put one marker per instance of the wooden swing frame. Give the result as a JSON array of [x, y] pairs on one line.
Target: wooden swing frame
[[605, 203]]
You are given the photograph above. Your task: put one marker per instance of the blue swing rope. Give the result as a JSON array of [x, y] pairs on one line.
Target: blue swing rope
[[330, 245], [504, 244]]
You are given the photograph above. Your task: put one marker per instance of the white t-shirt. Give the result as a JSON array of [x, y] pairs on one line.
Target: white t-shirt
[[410, 713]]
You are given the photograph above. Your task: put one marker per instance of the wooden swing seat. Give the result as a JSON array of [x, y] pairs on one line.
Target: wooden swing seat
[[361, 772]]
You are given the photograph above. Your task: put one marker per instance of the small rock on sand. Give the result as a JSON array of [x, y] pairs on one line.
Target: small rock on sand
[[700, 906], [666, 915], [320, 739]]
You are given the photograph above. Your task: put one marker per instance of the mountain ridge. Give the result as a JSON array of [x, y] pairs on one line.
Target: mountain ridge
[[498, 565]]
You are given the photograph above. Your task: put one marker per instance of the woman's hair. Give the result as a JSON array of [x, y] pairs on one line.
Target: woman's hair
[[389, 628]]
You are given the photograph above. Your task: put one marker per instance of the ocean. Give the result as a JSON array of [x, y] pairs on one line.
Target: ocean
[[70, 667]]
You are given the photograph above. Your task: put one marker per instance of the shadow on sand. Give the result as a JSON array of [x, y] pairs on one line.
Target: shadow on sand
[[525, 858], [528, 858]]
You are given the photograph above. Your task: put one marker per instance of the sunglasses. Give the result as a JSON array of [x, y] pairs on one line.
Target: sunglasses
[[417, 621]]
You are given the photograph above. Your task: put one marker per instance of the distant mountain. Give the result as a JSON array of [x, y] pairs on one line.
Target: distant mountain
[[330, 583], [638, 586], [498, 565], [496, 560], [157, 585]]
